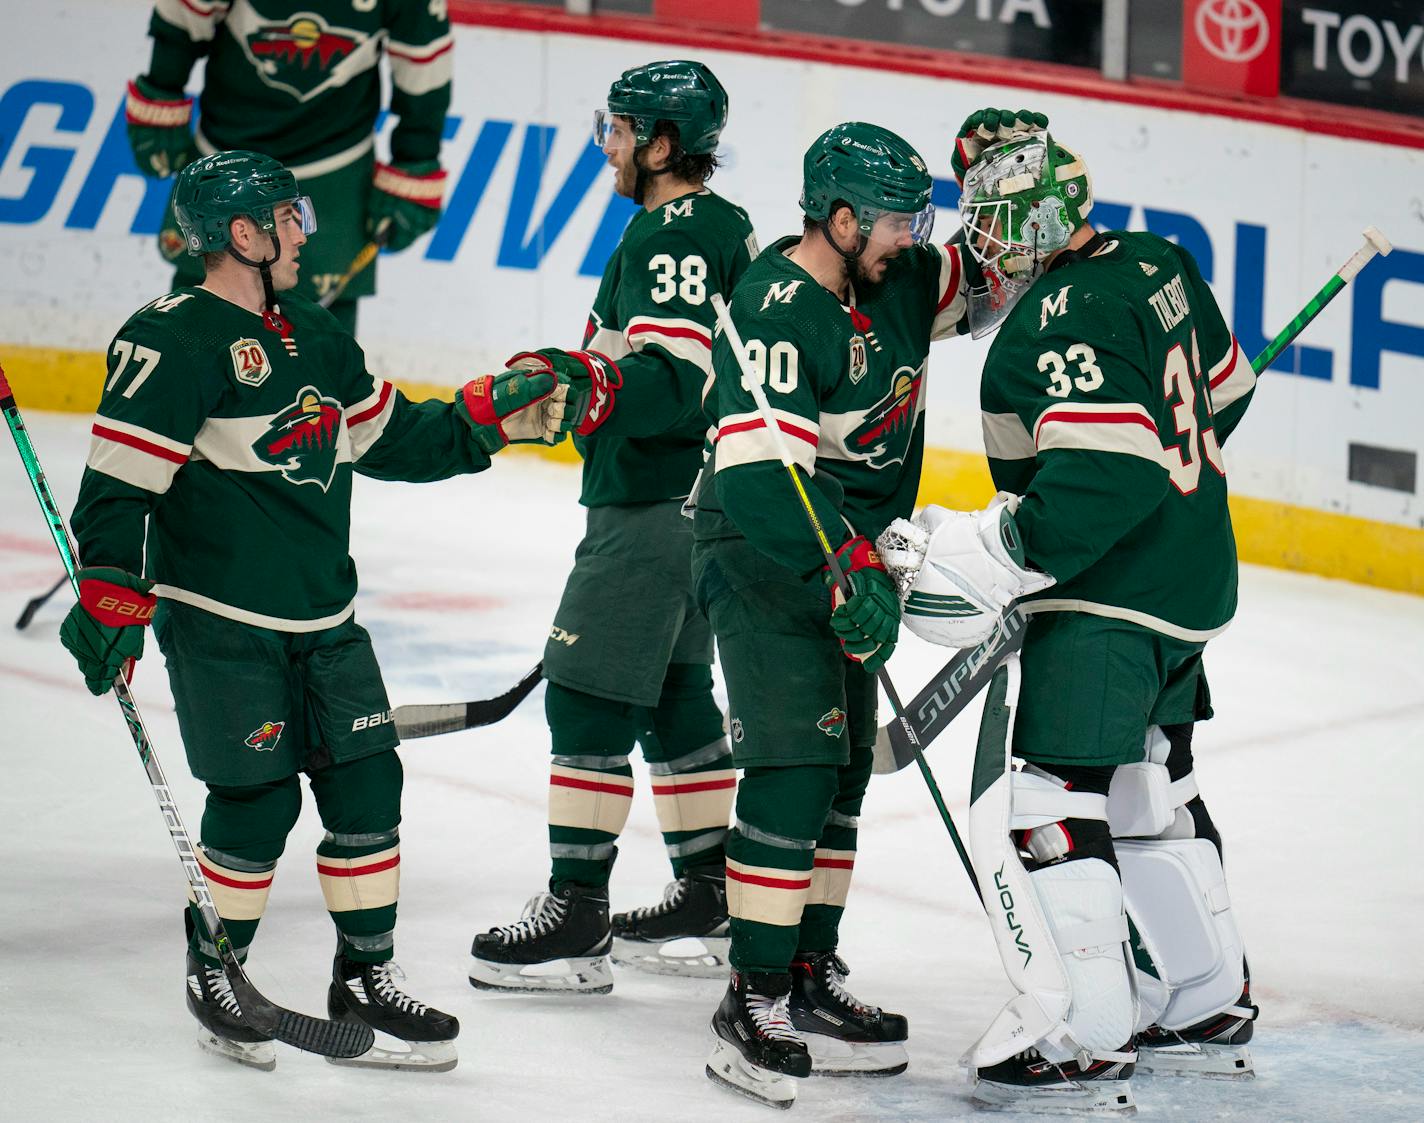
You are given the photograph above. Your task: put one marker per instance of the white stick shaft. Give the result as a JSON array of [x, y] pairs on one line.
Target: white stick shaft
[[749, 376]]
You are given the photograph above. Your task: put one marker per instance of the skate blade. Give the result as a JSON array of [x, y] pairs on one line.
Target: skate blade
[[1219, 1062], [1092, 1097], [693, 957], [593, 975], [830, 1056], [732, 1071], [410, 1056], [255, 1054]]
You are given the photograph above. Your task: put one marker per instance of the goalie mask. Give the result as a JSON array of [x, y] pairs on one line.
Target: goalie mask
[[1022, 201]]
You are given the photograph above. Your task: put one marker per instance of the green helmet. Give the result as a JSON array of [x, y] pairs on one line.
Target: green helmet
[[686, 93], [1023, 200], [215, 189], [869, 167]]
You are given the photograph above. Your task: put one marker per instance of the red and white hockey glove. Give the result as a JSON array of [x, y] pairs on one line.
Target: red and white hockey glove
[[868, 621], [594, 381], [160, 129], [410, 196], [515, 406], [104, 629]]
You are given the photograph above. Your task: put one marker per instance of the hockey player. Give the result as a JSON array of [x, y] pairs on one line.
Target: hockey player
[[1107, 395], [221, 469], [629, 656], [300, 82], [837, 324]]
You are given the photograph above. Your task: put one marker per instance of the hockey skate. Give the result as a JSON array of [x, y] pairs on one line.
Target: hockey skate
[[367, 992], [222, 1030], [756, 1051], [1028, 1082], [686, 933], [844, 1036], [561, 944], [1214, 1046]]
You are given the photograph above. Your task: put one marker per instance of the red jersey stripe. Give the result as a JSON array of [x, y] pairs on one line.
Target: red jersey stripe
[[768, 882], [140, 444], [367, 414], [357, 871], [231, 882], [695, 786], [590, 785], [1097, 419], [416, 59], [742, 426], [835, 863]]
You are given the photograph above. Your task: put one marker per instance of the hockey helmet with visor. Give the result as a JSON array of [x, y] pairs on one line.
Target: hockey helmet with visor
[[878, 174], [684, 92]]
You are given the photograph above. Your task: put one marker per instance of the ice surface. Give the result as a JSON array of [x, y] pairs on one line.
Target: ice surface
[[1313, 770]]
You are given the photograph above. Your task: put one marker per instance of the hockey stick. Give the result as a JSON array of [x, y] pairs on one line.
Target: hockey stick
[[451, 717], [750, 380], [968, 672], [316, 1035], [34, 604], [363, 258]]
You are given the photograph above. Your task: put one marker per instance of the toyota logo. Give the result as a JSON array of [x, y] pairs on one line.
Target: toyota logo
[[1232, 30]]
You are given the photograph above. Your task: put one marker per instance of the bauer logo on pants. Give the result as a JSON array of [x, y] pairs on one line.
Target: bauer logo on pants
[[264, 738]]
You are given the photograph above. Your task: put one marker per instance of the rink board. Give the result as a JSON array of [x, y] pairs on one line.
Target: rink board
[[1269, 211]]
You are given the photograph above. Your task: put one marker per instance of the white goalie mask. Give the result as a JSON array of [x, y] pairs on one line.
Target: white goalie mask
[[958, 570]]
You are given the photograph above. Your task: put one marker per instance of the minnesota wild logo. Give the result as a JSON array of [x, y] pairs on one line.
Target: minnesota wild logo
[[883, 436], [301, 440], [264, 738], [832, 722], [301, 55]]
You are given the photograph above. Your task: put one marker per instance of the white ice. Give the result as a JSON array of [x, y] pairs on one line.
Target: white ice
[[1313, 770]]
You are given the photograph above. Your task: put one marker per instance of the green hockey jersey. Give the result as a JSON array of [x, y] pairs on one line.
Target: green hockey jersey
[[653, 317], [846, 386], [231, 448], [1106, 397], [299, 82]]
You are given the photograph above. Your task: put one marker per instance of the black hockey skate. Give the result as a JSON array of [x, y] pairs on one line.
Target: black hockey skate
[[844, 1036], [561, 944], [686, 933], [223, 1030], [1214, 1046], [756, 1051], [367, 993], [1028, 1082]]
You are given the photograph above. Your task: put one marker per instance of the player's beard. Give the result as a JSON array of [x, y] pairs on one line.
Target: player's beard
[[865, 285]]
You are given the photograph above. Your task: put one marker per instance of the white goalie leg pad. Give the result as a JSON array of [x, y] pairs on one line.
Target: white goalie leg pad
[[1060, 930]]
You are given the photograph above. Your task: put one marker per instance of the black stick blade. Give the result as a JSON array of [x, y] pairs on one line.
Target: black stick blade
[[316, 1035], [451, 717], [36, 603]]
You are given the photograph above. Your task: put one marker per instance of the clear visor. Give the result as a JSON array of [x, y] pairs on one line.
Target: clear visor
[[898, 229], [612, 131], [302, 210]]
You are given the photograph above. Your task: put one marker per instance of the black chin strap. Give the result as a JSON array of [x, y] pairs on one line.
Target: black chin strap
[[264, 268], [642, 176]]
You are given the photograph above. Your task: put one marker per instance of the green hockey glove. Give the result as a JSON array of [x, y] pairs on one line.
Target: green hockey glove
[[868, 621], [513, 407], [594, 381], [984, 127], [410, 195], [160, 129], [104, 629]]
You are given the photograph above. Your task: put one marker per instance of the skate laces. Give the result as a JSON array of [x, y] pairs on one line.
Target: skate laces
[[221, 990], [772, 1017], [542, 915], [673, 894], [833, 972], [384, 976]]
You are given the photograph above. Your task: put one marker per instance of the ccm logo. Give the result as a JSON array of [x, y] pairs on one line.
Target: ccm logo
[[371, 720], [126, 608]]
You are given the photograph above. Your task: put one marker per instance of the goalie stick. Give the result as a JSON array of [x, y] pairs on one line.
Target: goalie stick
[[316, 1035], [451, 717], [968, 672]]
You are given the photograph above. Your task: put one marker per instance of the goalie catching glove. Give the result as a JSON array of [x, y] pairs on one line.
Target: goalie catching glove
[[868, 621], [513, 407], [958, 570], [984, 127], [594, 379], [104, 629]]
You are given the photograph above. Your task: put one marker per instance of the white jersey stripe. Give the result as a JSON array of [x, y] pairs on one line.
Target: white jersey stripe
[[199, 18], [368, 419], [1114, 612], [1231, 378], [121, 459], [1126, 428], [256, 619], [418, 70]]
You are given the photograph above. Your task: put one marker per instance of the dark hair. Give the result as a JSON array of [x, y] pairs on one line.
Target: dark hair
[[681, 163], [809, 223]]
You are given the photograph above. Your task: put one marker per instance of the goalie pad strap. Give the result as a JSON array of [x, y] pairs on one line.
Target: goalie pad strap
[[1099, 933], [1039, 801]]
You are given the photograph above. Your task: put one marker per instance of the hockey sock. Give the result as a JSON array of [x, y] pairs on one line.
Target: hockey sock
[[244, 832], [770, 854], [694, 782], [590, 782], [358, 859], [835, 856]]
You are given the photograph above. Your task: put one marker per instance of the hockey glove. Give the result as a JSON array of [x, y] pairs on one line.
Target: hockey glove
[[104, 629], [410, 195], [594, 381], [515, 406], [984, 127], [160, 129], [868, 621]]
